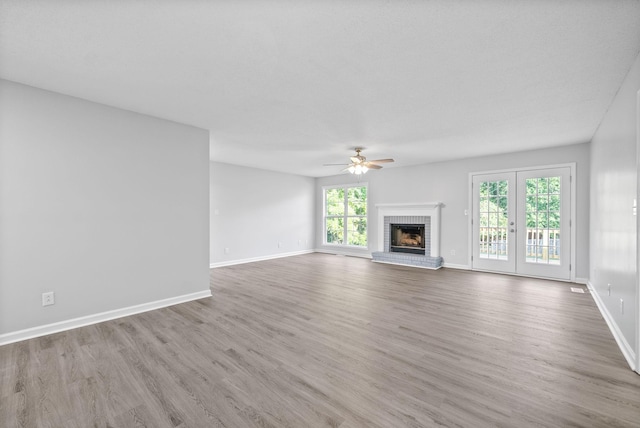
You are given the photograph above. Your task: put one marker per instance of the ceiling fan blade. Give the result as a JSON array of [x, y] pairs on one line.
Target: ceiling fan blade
[[372, 165], [335, 164], [381, 161]]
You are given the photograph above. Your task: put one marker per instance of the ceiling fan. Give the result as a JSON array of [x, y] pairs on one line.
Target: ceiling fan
[[359, 164]]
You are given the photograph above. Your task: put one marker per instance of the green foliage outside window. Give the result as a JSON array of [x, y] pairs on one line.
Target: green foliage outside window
[[493, 204], [542, 213], [543, 203], [346, 216]]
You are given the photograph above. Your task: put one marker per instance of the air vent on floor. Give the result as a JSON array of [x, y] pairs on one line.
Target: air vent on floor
[[577, 290]]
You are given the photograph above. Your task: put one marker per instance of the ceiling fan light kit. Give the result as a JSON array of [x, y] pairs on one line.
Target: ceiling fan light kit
[[358, 169], [359, 164]]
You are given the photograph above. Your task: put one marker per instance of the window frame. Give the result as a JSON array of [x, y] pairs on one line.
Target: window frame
[[345, 216]]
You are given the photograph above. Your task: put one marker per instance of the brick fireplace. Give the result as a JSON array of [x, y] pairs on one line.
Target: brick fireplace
[[409, 234]]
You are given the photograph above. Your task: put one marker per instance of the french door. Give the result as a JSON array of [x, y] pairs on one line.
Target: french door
[[521, 222]]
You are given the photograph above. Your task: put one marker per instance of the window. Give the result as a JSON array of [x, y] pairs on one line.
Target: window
[[345, 215]]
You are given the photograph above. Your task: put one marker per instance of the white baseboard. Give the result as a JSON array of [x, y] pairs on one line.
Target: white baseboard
[[339, 252], [258, 259], [57, 327], [624, 346], [455, 266], [584, 281]]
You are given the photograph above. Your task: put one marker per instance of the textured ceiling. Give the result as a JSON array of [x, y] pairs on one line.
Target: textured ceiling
[[291, 85]]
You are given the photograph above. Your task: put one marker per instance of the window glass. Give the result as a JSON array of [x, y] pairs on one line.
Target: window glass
[[345, 215]]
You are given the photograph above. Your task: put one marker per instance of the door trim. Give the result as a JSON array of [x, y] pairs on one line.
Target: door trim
[[573, 237]]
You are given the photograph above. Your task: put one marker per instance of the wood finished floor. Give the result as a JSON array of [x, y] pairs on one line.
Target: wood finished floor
[[328, 341]]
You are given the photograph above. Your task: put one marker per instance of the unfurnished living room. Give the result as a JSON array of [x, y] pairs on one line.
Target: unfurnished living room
[[319, 214]]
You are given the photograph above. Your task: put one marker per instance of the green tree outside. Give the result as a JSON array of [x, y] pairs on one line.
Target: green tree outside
[[346, 207], [542, 211]]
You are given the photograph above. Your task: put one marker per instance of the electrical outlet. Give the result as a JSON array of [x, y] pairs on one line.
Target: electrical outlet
[[226, 250], [48, 299], [621, 307], [453, 252], [608, 289], [299, 242], [279, 244]]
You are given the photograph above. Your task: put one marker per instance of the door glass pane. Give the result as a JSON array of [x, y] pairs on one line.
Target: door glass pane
[[543, 220], [493, 218]]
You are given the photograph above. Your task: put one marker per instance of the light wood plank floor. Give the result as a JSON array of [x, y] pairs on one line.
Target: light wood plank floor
[[328, 341]]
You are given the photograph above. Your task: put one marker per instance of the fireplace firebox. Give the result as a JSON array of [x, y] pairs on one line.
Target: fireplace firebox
[[407, 238]]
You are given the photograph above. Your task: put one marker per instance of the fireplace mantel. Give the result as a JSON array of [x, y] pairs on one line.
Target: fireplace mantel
[[428, 209]]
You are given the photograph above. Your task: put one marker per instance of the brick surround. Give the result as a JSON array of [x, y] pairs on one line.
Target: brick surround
[[424, 220]]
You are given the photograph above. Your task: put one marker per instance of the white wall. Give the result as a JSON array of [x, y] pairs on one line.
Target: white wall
[[254, 210], [613, 225], [105, 207], [448, 182]]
